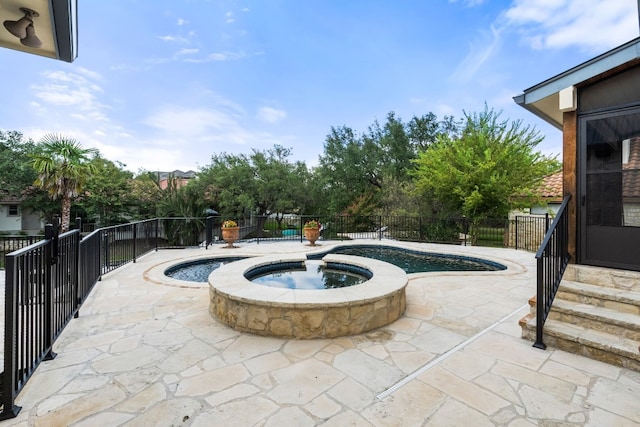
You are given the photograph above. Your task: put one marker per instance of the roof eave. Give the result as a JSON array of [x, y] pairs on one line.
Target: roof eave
[[616, 57]]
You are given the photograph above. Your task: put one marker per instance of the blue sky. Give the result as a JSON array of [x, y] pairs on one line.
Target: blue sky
[[165, 84]]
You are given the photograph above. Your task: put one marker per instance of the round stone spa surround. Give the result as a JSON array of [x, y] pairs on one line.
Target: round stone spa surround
[[307, 313]]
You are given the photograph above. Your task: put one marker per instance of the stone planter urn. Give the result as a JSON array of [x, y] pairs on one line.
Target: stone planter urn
[[312, 234], [230, 235]]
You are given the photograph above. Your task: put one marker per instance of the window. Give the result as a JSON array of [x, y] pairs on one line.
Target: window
[[13, 210]]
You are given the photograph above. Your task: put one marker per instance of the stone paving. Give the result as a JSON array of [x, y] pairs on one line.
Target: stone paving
[[144, 352]]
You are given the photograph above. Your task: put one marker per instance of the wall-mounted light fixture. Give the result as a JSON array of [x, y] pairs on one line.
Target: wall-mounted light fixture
[[23, 28]]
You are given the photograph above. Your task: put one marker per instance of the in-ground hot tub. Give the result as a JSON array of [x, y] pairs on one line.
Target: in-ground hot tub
[[307, 313]]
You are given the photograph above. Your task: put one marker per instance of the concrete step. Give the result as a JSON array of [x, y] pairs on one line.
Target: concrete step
[[599, 345], [596, 318], [608, 277], [622, 300]]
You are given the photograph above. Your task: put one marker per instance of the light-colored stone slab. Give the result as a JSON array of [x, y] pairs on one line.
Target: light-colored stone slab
[[290, 416], [467, 393], [237, 413], [303, 381], [213, 381], [323, 407], [626, 403], [376, 374], [456, 414], [410, 405]]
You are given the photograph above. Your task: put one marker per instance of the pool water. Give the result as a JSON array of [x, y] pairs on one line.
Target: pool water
[[410, 261], [313, 275], [419, 262], [199, 270]]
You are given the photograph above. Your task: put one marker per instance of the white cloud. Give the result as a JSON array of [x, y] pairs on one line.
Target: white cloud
[[271, 115], [78, 90], [593, 25], [479, 53], [173, 39], [182, 22]]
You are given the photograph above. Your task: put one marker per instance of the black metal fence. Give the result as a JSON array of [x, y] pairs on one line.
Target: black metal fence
[[520, 232], [47, 281], [13, 243], [41, 297], [552, 259]]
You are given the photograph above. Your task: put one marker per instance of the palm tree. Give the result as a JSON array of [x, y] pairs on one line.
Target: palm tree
[[62, 166]]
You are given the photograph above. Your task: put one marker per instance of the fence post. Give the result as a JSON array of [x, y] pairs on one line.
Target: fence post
[[379, 227], [209, 233], [135, 241], [546, 223], [51, 258], [465, 229], [76, 271], [9, 376], [157, 232], [516, 226]]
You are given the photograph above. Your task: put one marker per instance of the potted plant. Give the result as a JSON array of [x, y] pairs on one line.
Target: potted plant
[[311, 231], [230, 232]]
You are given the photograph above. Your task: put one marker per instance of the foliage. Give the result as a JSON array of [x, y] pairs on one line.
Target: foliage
[[181, 202], [146, 193], [355, 169], [312, 224], [478, 173], [264, 183], [229, 224], [16, 173], [62, 167], [108, 197]]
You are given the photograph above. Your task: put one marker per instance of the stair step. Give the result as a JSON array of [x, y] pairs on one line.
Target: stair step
[[597, 318], [612, 298], [608, 277], [603, 346]]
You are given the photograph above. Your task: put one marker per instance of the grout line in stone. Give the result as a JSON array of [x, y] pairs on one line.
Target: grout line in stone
[[445, 355]]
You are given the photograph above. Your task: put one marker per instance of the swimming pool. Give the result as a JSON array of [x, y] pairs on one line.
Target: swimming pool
[[198, 270], [412, 261]]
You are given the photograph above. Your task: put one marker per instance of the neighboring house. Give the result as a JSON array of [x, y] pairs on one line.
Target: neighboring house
[[180, 177], [14, 218], [551, 193], [597, 106]]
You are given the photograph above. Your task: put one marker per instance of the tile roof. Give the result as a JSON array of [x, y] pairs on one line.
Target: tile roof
[[551, 187]]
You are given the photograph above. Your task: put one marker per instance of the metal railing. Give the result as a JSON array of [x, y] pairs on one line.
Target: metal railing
[[552, 259], [41, 297], [47, 281], [13, 243], [521, 232]]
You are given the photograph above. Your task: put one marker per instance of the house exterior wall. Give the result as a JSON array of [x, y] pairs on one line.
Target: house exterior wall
[[9, 222]]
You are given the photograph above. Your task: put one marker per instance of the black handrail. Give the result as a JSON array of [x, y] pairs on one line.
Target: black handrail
[[552, 259]]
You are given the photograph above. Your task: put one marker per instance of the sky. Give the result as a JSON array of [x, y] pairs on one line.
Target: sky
[[167, 84]]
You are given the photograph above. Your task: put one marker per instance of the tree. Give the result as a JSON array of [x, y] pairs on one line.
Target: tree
[[354, 170], [264, 183], [107, 198], [146, 192], [16, 173], [62, 166], [488, 170]]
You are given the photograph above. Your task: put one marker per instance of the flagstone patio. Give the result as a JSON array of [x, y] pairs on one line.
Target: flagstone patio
[[145, 351]]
